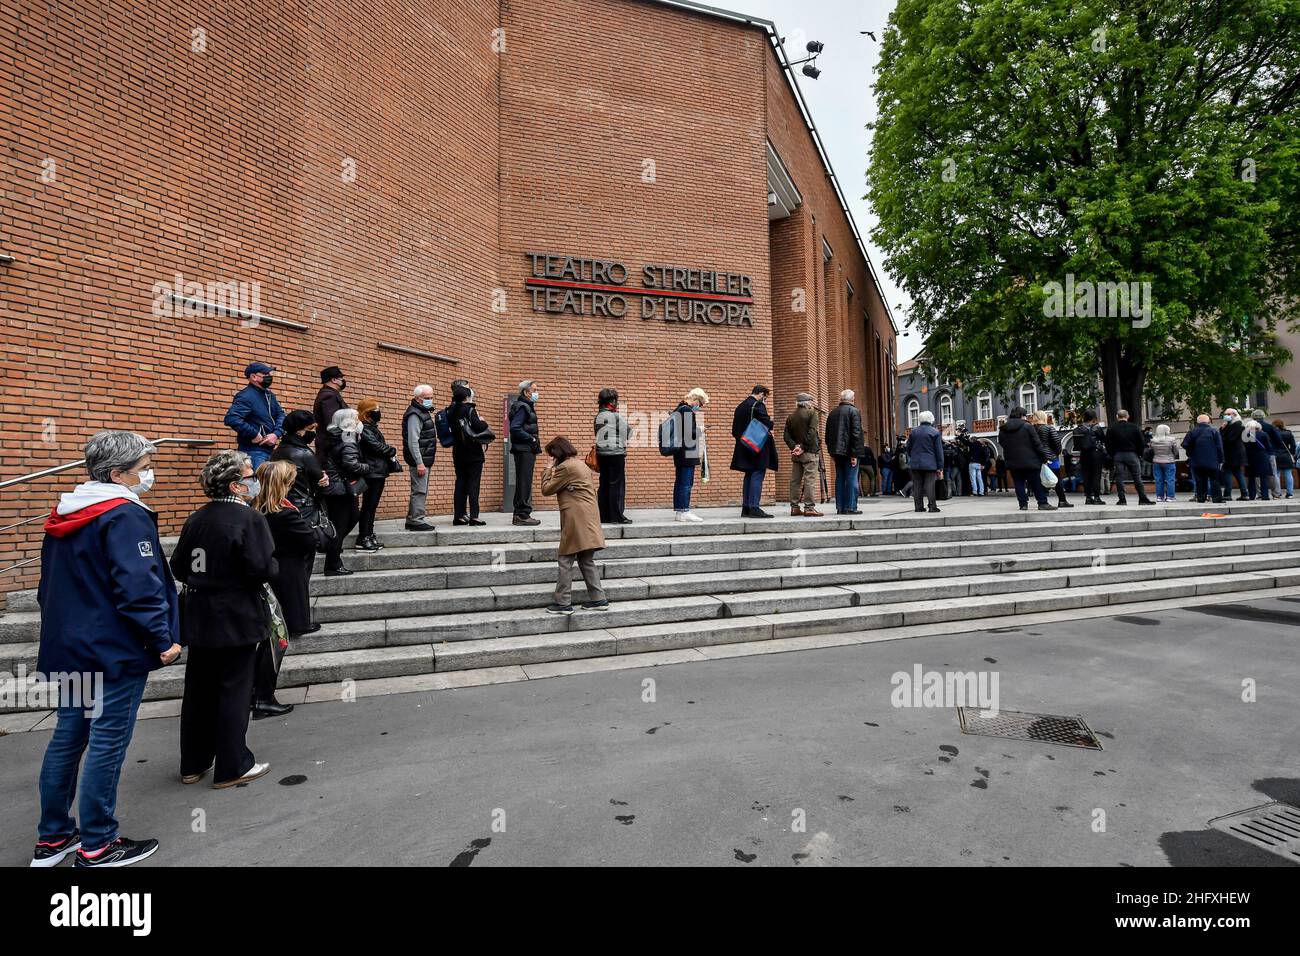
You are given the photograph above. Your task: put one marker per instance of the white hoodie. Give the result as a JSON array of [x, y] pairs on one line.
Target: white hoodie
[[93, 492]]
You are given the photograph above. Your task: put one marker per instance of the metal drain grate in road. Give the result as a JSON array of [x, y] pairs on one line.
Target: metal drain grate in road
[[1272, 826], [1015, 725]]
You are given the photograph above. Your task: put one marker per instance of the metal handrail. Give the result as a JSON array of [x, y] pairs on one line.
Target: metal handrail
[[57, 469]]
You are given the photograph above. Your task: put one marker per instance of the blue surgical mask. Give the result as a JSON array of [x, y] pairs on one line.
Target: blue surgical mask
[[427, 403], [535, 396]]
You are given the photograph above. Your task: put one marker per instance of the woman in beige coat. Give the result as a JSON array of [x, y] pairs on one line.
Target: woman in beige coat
[[570, 480]]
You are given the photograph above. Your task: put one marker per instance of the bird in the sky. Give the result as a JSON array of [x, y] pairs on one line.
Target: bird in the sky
[[868, 33]]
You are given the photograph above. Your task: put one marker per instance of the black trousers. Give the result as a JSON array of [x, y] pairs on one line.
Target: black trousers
[[923, 486], [370, 505], [214, 711], [613, 486], [343, 513], [1128, 463], [264, 674], [1207, 481], [1092, 465], [525, 461], [465, 496]]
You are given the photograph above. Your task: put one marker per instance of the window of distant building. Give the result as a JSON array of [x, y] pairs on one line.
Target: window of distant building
[[1029, 397], [984, 406], [913, 413], [945, 410]]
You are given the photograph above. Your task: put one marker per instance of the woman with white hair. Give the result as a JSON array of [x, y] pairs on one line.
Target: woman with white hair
[[689, 451], [925, 459], [108, 609], [346, 470], [1164, 462], [225, 557]]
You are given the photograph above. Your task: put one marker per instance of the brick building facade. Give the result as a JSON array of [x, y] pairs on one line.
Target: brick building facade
[[372, 192]]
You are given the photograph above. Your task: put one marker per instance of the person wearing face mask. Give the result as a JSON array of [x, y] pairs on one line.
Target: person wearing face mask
[[380, 459], [296, 447], [329, 401], [225, 557], [524, 448], [467, 453], [419, 445], [256, 415], [108, 607], [1234, 454]]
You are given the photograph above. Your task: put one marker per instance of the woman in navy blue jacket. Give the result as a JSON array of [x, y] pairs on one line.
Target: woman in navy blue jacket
[[108, 618]]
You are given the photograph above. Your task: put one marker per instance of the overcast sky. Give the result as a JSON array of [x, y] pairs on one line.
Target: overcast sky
[[841, 102]]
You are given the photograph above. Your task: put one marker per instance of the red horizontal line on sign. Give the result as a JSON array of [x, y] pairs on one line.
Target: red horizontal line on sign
[[666, 293]]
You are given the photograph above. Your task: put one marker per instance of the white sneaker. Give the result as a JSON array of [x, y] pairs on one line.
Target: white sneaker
[[690, 516], [680, 516]]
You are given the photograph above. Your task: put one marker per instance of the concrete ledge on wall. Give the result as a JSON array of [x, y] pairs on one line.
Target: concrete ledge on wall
[[402, 349], [247, 316]]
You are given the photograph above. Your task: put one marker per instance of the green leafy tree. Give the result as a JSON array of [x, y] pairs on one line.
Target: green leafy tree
[[1026, 143]]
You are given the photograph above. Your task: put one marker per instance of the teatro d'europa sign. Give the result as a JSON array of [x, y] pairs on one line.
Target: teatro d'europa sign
[[573, 285]]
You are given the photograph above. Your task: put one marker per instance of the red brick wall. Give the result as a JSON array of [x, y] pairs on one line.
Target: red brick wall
[[229, 165]]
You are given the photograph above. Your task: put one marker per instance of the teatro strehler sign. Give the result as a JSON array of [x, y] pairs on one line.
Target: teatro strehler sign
[[575, 285]]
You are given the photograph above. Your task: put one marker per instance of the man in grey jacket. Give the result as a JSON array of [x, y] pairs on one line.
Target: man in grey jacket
[[925, 459]]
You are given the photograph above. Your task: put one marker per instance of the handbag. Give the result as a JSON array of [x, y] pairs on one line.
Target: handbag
[[1047, 477], [755, 435], [1148, 453], [592, 460], [324, 528], [357, 486]]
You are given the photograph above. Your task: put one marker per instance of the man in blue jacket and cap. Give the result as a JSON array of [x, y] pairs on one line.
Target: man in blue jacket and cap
[[256, 415], [108, 617]]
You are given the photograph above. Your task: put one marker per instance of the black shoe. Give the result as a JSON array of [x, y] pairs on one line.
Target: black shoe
[[744, 512], [419, 526], [1046, 506], [477, 522], [919, 510], [1146, 501], [363, 544], [1024, 507], [933, 510], [54, 853], [337, 572], [1217, 501], [623, 520], [760, 513], [376, 543], [1243, 498], [526, 521], [855, 511], [270, 708], [1064, 504], [310, 630], [1121, 501], [559, 609], [121, 852], [601, 605], [460, 521]]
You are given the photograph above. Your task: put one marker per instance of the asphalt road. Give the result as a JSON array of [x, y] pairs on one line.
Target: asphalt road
[[731, 756]]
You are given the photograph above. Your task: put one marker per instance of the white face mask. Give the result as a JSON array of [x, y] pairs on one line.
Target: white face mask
[[146, 481]]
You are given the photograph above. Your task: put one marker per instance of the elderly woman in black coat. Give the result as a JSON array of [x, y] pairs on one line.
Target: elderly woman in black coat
[[225, 558], [754, 464]]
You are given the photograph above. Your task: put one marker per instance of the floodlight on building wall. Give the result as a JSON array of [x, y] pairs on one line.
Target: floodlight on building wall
[[814, 48]]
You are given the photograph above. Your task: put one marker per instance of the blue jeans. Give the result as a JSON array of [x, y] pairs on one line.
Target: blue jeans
[[1286, 478], [1164, 479], [752, 491], [976, 478], [259, 455], [886, 481], [846, 485], [1239, 473], [104, 739], [682, 484]]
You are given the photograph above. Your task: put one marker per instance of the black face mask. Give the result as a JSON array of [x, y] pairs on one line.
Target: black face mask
[[374, 416], [266, 382], [309, 436], [343, 383]]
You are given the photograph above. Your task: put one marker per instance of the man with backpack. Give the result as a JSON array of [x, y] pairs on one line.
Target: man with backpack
[[419, 445]]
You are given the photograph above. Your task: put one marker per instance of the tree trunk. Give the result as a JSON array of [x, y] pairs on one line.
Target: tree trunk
[[1110, 380]]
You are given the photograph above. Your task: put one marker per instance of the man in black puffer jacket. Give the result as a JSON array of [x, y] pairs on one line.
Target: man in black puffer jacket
[[419, 445], [1025, 456]]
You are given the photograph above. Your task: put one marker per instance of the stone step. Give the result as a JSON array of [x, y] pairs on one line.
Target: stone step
[[702, 575], [466, 566], [1118, 577]]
